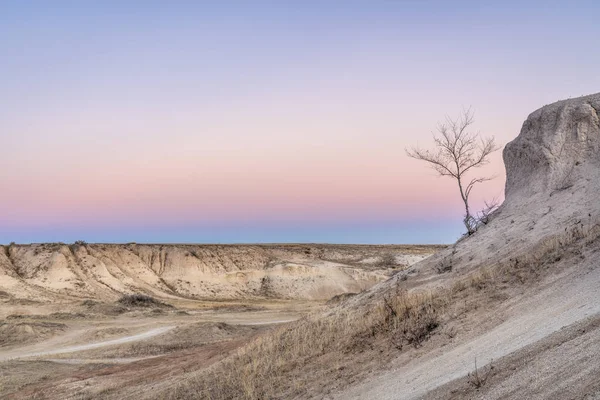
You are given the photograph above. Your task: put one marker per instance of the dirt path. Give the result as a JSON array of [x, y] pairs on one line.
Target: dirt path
[[533, 319], [274, 322], [126, 339], [80, 361]]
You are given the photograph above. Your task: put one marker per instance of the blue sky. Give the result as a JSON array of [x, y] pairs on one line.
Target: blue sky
[[264, 121]]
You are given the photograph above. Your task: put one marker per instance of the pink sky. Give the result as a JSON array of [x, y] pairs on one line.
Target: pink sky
[[117, 116]]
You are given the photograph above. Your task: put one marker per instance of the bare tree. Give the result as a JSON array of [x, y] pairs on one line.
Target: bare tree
[[457, 152]]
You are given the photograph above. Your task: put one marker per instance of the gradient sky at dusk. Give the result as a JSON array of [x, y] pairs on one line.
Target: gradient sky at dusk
[[255, 121]]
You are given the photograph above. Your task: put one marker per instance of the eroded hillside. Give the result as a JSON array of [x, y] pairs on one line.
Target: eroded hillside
[[105, 271], [497, 297]]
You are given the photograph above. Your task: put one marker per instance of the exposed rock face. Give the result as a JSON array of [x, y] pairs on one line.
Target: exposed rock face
[[548, 229], [102, 271], [552, 194], [552, 183], [558, 145]]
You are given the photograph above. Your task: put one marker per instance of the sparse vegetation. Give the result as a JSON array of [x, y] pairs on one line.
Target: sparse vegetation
[[21, 332], [89, 303], [140, 300], [410, 319], [484, 216], [76, 245], [272, 365], [387, 260], [339, 298], [285, 362], [478, 378], [446, 264]]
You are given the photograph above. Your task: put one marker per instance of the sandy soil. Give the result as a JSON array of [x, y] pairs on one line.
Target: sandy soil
[[90, 346], [566, 301], [85, 356], [560, 366]]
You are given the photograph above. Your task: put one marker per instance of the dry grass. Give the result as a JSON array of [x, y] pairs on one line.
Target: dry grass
[[410, 318], [306, 359], [386, 260], [190, 336], [273, 365], [536, 261], [12, 333]]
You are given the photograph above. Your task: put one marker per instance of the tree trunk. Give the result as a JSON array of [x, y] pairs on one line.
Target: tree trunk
[[467, 220]]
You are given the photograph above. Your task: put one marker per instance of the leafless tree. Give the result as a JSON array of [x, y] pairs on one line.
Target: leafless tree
[[458, 151]]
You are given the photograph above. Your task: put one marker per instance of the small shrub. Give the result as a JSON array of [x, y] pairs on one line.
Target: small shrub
[[444, 266], [140, 300], [477, 379], [480, 279], [411, 318], [485, 215], [338, 298], [387, 260]]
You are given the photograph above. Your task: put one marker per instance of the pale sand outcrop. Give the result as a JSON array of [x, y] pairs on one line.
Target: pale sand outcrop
[[552, 189], [106, 271]]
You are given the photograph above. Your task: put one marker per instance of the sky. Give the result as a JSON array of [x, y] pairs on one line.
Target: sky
[[265, 121]]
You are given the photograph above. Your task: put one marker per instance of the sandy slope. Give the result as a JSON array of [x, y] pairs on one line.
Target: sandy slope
[[560, 366], [531, 318], [552, 192]]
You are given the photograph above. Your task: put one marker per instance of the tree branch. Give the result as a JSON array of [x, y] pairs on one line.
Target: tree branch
[[458, 152]]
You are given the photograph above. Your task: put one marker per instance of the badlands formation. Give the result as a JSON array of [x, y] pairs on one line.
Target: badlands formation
[[104, 272], [511, 312]]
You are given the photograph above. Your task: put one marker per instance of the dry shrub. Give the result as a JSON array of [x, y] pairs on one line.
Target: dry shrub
[[410, 319], [386, 260], [478, 378], [89, 303], [530, 265], [140, 300], [273, 366], [338, 298], [550, 250], [447, 263]]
